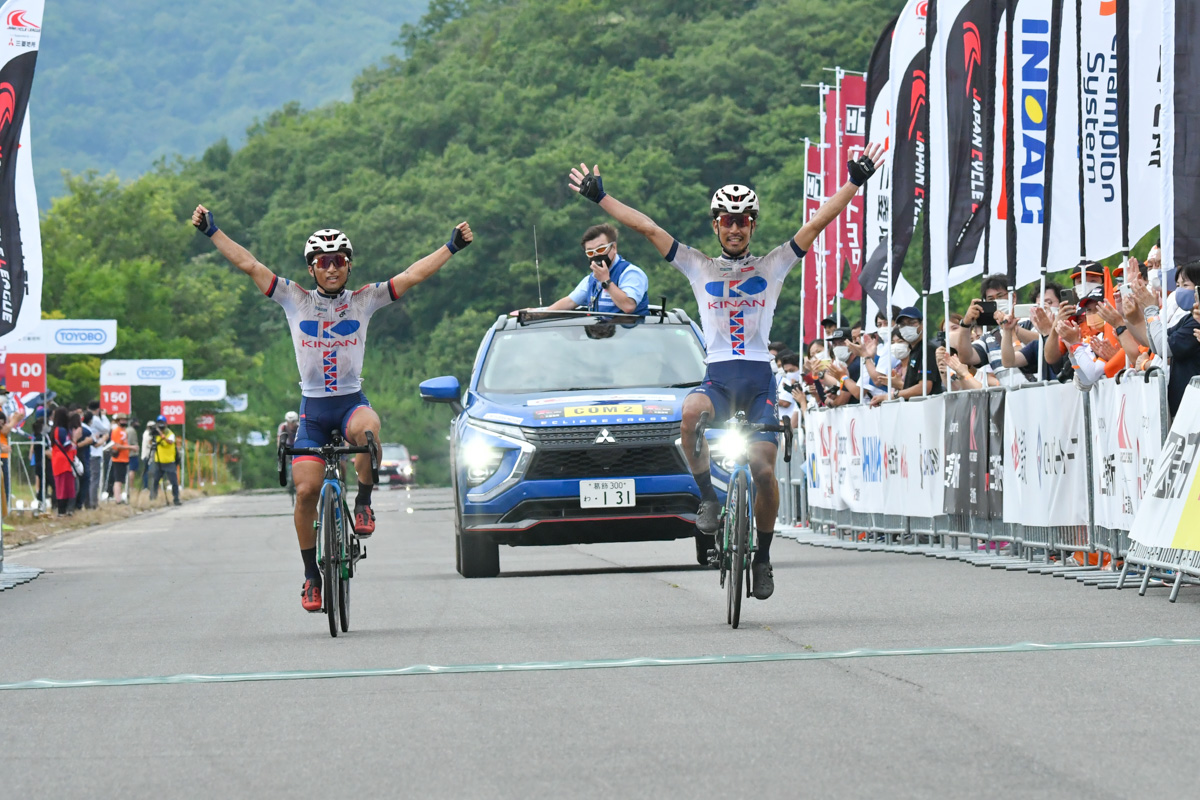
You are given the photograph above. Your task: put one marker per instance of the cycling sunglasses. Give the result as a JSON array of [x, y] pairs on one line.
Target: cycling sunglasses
[[741, 220], [330, 260], [598, 251]]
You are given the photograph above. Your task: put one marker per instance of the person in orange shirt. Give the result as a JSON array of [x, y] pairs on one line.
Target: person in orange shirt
[[121, 448]]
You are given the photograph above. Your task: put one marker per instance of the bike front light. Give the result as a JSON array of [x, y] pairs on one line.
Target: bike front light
[[482, 461], [731, 448]]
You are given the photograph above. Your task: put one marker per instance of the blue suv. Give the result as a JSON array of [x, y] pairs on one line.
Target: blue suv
[[568, 433]]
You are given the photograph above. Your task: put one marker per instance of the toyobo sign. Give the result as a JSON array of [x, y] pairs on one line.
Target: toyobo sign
[[211, 390], [141, 372], [57, 336]]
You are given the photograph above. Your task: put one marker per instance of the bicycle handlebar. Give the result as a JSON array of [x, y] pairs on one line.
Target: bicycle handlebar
[[341, 450], [784, 427]]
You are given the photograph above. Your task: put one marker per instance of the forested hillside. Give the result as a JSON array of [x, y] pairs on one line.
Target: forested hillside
[[121, 84], [479, 117]]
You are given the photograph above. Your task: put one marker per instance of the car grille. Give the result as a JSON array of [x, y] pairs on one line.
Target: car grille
[[601, 461], [563, 508], [586, 435]]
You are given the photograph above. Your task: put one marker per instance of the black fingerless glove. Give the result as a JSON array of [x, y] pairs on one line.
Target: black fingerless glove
[[457, 241], [860, 170], [592, 187], [209, 226]]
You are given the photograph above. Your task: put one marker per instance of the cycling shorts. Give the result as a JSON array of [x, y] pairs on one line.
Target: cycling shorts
[[320, 416], [735, 386]]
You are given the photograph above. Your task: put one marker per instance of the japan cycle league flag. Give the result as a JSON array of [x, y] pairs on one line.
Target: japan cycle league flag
[[20, 237], [910, 146], [960, 63]]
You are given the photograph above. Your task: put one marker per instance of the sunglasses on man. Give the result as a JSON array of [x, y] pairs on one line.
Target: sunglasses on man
[[598, 251], [740, 220], [331, 261]]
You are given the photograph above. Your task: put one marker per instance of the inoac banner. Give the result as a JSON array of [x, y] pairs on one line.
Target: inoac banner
[[141, 372], [58, 336], [20, 235], [961, 64]]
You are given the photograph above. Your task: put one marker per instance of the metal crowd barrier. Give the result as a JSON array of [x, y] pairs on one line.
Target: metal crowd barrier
[[1087, 553]]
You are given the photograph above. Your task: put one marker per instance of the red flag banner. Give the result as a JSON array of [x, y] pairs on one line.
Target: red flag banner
[[852, 109]]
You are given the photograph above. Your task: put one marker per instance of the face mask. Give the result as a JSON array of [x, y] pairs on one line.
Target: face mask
[[1095, 321], [899, 350], [842, 354], [604, 261], [909, 334], [1152, 278]]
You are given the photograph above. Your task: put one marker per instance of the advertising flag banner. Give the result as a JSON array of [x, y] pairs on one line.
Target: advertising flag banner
[[996, 232], [1126, 441], [852, 108], [58, 336], [1045, 469], [877, 193], [814, 196], [20, 234], [1100, 142], [1181, 118], [961, 64], [173, 410], [1145, 118], [833, 176], [116, 399], [910, 145], [141, 372], [207, 390], [1169, 515], [1062, 243]]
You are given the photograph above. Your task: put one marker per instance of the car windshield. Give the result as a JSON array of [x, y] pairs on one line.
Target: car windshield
[[395, 452], [596, 356]]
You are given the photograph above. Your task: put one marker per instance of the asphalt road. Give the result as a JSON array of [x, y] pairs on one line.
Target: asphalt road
[[213, 588]]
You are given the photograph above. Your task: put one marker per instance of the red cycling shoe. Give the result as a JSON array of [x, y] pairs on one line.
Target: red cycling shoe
[[364, 520], [310, 597]]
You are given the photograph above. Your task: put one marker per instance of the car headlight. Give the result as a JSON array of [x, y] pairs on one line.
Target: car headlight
[[482, 461], [730, 448], [406, 469]]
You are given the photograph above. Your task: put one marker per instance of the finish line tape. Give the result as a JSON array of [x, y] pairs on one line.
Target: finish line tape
[[619, 663]]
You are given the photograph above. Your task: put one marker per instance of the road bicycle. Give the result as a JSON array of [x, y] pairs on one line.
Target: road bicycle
[[736, 539], [338, 549]]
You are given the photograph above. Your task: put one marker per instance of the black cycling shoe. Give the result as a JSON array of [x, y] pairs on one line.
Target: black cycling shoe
[[708, 516], [764, 580]]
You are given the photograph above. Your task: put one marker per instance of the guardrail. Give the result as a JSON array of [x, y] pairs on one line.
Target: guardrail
[[1040, 477]]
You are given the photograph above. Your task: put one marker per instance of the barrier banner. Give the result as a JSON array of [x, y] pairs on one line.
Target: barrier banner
[[863, 489], [829, 472], [966, 454], [995, 472], [915, 465], [1045, 465], [1169, 515], [20, 232], [1126, 441]]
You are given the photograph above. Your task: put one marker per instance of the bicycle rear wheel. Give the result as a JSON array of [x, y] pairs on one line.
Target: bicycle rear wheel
[[740, 544], [332, 566]]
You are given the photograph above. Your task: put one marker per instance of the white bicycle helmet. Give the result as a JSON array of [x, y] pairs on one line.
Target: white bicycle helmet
[[327, 240], [734, 199], [291, 416]]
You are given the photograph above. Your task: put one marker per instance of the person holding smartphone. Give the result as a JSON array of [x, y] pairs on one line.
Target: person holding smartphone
[[989, 312]]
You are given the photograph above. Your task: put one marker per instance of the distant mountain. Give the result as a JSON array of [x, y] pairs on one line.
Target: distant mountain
[[119, 85]]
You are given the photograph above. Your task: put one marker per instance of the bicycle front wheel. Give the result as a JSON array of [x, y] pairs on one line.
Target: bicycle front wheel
[[739, 545], [332, 564], [344, 573]]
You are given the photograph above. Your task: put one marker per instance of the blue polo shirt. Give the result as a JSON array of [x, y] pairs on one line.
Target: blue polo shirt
[[629, 277]]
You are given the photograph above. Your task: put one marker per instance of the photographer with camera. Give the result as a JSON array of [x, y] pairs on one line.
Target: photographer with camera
[[165, 457]]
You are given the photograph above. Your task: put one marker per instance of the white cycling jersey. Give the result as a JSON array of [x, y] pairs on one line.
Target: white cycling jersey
[[329, 333], [737, 297]]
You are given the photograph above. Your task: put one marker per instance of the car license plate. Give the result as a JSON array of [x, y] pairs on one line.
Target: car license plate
[[607, 494]]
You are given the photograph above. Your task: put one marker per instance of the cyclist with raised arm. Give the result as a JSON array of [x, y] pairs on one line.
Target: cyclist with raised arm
[[329, 331], [736, 293]]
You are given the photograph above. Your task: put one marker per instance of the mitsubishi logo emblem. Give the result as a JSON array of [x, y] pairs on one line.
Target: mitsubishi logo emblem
[[605, 437]]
